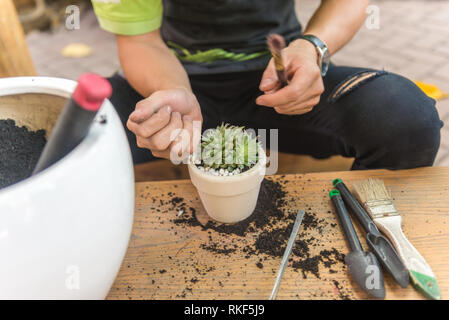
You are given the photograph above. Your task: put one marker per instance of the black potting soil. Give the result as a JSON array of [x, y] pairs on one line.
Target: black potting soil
[[264, 236], [266, 214], [187, 219], [272, 228], [20, 149], [273, 242], [341, 293], [214, 247]]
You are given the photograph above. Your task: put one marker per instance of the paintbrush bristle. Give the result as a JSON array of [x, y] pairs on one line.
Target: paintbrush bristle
[[376, 198], [371, 190], [275, 42]]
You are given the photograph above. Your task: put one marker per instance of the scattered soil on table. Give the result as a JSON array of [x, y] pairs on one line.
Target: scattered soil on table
[[184, 218], [20, 149], [311, 264], [341, 293], [266, 214], [214, 247], [271, 227]]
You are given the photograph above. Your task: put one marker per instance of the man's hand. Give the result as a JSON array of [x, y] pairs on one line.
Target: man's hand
[[305, 83], [157, 122]]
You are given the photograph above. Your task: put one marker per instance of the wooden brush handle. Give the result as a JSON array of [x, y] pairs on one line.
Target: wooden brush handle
[[391, 227]]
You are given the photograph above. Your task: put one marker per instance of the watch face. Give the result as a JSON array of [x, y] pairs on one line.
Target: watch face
[[326, 56]]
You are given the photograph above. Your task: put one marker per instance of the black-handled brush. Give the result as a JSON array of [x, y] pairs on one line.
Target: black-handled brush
[[363, 266], [75, 119], [380, 245]]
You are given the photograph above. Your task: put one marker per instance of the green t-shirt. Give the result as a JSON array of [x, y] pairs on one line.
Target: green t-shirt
[[129, 17], [208, 36]]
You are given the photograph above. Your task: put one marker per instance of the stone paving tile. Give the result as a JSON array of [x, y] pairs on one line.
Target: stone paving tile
[[45, 49], [413, 40]]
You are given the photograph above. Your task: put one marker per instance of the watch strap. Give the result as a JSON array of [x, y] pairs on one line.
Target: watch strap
[[322, 50]]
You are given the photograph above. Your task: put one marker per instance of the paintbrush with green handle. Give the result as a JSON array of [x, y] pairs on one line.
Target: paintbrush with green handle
[[378, 202]]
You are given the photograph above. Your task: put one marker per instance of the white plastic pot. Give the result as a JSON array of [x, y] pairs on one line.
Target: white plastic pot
[[65, 231], [229, 199]]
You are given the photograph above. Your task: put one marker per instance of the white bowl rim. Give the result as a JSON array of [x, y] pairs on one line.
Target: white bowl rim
[[43, 85]]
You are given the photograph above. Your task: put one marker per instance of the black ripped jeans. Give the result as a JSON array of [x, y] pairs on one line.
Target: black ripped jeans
[[381, 119]]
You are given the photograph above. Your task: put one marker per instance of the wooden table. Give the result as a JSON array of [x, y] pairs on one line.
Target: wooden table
[[171, 260]]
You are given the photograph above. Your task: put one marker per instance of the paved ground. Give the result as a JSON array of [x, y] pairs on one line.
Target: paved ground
[[412, 39]]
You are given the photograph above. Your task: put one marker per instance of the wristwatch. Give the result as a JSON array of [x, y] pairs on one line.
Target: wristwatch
[[322, 50]]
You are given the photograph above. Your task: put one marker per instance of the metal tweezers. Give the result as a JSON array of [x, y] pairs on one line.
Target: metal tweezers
[[287, 252]]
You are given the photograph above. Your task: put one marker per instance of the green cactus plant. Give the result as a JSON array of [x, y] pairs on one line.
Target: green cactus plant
[[229, 148]]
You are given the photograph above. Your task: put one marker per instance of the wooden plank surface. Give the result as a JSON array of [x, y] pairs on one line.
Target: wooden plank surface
[[174, 257]]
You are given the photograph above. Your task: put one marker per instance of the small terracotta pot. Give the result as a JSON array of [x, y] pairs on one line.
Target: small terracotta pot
[[229, 199]]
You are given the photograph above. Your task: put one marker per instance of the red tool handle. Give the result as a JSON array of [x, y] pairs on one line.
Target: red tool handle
[[75, 119]]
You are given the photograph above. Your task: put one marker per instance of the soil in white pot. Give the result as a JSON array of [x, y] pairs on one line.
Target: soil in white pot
[[20, 149]]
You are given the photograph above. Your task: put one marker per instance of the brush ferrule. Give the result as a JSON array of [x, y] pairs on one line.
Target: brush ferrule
[[380, 208], [278, 63]]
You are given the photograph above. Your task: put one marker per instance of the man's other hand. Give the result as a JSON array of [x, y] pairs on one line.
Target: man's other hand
[[305, 83]]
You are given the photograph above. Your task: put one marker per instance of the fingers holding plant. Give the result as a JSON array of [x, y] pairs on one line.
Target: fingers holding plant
[[183, 139], [165, 123]]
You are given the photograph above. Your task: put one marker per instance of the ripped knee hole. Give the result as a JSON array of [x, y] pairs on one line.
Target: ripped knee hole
[[352, 83]]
